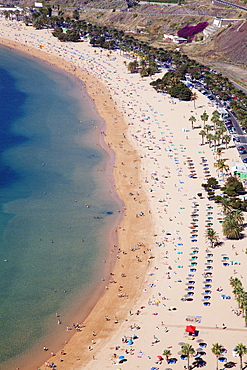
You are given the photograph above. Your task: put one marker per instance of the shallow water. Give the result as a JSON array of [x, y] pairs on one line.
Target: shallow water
[[50, 241]]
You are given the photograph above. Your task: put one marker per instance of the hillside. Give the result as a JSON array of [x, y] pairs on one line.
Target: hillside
[[149, 22], [232, 42]]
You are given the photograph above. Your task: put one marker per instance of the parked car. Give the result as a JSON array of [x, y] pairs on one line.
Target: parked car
[[245, 160], [241, 149]]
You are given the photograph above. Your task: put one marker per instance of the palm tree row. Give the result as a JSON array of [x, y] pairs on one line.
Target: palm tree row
[[240, 295], [232, 224], [146, 67], [217, 349], [219, 134]]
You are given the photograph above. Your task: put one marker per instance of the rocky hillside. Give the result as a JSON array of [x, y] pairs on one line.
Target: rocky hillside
[[232, 42], [150, 21]]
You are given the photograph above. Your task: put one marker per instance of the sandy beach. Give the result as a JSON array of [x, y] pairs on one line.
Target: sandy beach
[[162, 254]]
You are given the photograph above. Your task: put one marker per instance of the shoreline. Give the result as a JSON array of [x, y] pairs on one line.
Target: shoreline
[[87, 80], [154, 146]]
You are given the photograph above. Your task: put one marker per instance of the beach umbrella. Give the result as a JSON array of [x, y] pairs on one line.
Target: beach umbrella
[[160, 358], [190, 329], [121, 357], [222, 359], [230, 364], [206, 303], [188, 299], [130, 342], [123, 360]]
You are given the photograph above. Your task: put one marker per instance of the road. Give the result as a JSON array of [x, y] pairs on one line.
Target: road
[[239, 132], [230, 4]]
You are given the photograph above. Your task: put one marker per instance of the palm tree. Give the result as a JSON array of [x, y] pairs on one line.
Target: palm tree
[[231, 228], [239, 216], [143, 72], [226, 204], [204, 117], [241, 350], [143, 63], [219, 152], [241, 298], [226, 139], [167, 353], [132, 66], [207, 128], [194, 97], [236, 285], [192, 119], [221, 125], [244, 305], [214, 119], [212, 236], [203, 134], [216, 114], [215, 139], [210, 139], [221, 166], [188, 351], [216, 350]]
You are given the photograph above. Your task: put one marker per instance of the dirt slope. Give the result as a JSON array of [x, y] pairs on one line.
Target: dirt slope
[[232, 42]]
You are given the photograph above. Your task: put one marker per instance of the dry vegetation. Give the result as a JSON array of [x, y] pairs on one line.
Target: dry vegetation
[[149, 22]]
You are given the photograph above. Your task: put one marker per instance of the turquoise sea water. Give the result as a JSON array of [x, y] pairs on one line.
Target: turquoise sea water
[[50, 241]]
